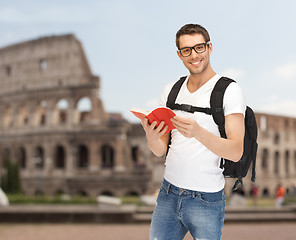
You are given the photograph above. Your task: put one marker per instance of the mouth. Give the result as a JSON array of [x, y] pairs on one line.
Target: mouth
[[196, 63]]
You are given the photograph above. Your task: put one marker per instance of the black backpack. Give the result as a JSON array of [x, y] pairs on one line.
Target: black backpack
[[231, 169]]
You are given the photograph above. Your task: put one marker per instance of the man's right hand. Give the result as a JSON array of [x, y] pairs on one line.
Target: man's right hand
[[152, 132], [157, 139]]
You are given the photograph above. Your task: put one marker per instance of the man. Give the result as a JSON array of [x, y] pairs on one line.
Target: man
[[191, 197]]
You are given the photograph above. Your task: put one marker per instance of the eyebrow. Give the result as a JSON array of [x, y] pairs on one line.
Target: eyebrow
[[195, 45]]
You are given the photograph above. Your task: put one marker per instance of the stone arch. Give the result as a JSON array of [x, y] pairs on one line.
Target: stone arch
[[22, 157], [286, 123], [108, 156], [59, 192], [23, 115], [276, 139], [263, 123], [276, 162], [8, 70], [39, 192], [265, 192], [132, 193], [60, 157], [61, 111], [5, 156], [107, 193], [264, 162], [82, 193], [295, 160], [42, 64], [135, 156], [40, 113], [83, 156], [287, 161], [7, 118], [39, 157], [84, 107]]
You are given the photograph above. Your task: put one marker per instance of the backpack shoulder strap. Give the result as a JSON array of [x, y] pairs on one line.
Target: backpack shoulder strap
[[216, 102], [171, 101], [174, 92]]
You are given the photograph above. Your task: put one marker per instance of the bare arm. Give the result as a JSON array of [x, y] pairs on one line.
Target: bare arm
[[230, 148], [157, 139]]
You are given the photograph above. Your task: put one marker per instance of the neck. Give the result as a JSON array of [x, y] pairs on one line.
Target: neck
[[195, 81]]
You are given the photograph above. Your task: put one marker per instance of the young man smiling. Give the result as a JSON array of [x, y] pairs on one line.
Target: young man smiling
[[191, 197]]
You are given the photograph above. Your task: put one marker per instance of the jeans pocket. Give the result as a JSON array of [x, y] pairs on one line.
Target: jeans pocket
[[162, 191], [212, 198]]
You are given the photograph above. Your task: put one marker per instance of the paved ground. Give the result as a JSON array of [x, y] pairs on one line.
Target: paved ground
[[273, 231]]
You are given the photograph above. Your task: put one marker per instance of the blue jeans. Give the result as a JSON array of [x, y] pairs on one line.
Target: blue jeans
[[179, 210]]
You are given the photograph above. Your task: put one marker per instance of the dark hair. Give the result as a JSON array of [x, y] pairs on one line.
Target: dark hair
[[189, 29]]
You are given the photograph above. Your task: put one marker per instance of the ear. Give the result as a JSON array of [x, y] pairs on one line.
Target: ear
[[179, 54], [210, 47]]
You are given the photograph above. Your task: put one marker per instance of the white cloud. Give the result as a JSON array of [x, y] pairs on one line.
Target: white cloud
[[279, 107], [287, 71], [234, 73]]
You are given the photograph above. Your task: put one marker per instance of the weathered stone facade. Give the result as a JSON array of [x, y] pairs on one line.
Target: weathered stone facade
[[59, 147], [276, 155]]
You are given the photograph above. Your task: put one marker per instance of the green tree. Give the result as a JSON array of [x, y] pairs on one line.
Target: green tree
[[10, 181]]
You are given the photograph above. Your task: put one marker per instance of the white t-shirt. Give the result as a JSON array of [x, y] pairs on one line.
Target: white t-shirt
[[189, 164]]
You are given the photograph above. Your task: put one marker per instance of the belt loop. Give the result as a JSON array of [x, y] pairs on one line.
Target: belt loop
[[193, 194], [168, 189]]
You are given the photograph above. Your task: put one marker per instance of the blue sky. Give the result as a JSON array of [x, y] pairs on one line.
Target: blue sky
[[130, 44]]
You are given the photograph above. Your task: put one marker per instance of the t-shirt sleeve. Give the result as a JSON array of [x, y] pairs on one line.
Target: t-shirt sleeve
[[234, 100], [164, 94]]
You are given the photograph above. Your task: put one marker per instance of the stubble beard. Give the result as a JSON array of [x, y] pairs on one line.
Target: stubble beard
[[200, 70]]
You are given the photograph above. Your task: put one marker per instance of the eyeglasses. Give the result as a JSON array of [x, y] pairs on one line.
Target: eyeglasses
[[198, 48]]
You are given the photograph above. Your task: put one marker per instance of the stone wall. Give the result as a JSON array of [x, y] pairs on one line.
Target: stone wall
[[53, 124], [276, 155]]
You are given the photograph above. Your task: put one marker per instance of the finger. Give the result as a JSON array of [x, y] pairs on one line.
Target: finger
[[175, 122], [144, 122], [179, 124], [163, 131], [181, 120], [160, 126], [181, 127], [184, 133], [178, 118], [153, 124]]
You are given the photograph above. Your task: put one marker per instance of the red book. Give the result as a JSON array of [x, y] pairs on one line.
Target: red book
[[158, 114]]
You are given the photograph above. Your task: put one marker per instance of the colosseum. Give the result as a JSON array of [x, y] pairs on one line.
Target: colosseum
[[54, 126], [276, 156]]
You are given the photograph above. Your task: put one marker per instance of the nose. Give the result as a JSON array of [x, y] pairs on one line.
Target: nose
[[193, 53]]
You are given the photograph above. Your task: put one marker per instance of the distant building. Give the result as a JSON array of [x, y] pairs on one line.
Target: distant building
[[276, 155], [276, 158], [53, 124]]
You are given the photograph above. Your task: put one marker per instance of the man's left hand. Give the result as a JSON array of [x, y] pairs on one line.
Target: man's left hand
[[186, 126]]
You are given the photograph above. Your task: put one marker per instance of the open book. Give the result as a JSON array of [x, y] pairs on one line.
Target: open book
[[158, 114]]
